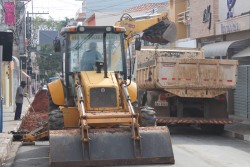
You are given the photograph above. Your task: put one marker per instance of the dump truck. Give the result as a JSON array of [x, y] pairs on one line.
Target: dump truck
[[178, 84], [91, 118], [185, 88]]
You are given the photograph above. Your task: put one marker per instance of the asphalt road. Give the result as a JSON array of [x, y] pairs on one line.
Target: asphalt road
[[191, 149]]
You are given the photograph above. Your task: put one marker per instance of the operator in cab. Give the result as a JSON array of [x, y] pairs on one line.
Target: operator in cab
[[90, 57]]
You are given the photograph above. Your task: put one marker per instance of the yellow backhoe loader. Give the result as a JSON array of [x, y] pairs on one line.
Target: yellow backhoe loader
[[91, 118], [154, 28]]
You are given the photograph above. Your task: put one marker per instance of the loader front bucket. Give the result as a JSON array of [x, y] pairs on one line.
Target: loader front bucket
[[162, 32], [109, 147]]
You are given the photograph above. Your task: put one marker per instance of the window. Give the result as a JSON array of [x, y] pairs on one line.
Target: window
[[85, 49]]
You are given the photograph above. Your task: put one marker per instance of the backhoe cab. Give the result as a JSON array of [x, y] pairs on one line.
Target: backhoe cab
[[91, 118]]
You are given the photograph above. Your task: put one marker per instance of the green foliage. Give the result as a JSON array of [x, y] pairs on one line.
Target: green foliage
[[49, 62], [40, 23]]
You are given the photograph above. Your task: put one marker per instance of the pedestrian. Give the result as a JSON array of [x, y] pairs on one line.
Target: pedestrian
[[19, 100], [33, 90]]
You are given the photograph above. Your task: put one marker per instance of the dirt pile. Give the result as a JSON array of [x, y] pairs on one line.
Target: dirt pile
[[35, 118]]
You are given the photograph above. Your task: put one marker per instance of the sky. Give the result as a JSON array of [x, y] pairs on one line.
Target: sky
[[59, 9]]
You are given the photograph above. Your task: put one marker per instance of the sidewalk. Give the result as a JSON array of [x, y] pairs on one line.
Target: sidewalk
[[10, 125], [240, 128]]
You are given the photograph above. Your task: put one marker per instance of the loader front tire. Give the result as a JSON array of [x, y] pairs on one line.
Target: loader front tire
[[52, 106], [56, 119], [147, 117]]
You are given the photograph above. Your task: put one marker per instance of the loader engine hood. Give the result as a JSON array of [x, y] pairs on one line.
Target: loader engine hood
[[100, 93]]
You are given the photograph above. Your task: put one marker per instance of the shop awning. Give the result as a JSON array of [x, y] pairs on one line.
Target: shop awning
[[243, 53], [221, 49], [24, 73]]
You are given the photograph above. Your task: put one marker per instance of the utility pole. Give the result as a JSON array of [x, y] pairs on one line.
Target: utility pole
[[1, 100], [29, 38]]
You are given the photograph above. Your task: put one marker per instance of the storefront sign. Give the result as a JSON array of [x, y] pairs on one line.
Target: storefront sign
[[235, 24], [230, 5], [229, 28], [207, 16], [9, 15]]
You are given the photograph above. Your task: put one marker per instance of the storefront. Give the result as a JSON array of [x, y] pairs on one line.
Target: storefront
[[236, 45]]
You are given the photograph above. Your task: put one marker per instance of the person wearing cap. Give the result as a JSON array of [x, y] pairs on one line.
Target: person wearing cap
[[90, 57], [19, 100]]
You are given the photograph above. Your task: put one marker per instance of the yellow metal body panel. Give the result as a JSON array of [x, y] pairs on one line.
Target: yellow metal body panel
[[56, 92], [30, 137], [134, 27], [70, 116], [132, 90], [106, 119], [91, 79]]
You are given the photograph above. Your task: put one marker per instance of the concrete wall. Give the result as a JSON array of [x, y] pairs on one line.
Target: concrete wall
[[238, 36], [106, 19], [176, 7], [92, 20], [186, 43], [240, 6], [198, 29]]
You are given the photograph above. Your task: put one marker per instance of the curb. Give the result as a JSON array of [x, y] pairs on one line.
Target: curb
[[5, 144], [232, 134], [10, 159], [6, 139]]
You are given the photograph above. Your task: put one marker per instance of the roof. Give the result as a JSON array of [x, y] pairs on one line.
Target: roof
[[146, 7], [243, 53]]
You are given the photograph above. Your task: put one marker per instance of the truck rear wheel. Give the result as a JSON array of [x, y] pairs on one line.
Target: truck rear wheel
[[212, 128], [56, 119]]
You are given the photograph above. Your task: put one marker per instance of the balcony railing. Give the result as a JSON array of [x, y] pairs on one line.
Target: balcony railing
[[184, 17]]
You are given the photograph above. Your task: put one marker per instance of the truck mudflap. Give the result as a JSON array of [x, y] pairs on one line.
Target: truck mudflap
[[110, 147]]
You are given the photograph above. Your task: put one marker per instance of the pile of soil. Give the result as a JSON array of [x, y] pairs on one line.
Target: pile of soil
[[34, 119]]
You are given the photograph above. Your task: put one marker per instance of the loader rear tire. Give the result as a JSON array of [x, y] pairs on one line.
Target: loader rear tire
[[56, 119]]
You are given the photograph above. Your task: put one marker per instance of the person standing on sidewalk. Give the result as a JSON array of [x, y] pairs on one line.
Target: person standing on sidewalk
[[19, 100]]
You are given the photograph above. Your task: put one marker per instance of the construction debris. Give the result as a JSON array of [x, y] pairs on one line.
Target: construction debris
[[38, 115]]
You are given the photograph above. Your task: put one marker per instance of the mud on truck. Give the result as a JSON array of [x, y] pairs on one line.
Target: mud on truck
[[185, 88]]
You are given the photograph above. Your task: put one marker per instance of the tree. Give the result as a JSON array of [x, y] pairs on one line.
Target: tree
[[48, 61]]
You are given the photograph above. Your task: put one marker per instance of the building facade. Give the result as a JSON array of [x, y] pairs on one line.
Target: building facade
[[221, 28], [12, 20], [211, 24]]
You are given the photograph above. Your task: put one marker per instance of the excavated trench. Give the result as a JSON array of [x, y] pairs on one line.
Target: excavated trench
[[37, 115]]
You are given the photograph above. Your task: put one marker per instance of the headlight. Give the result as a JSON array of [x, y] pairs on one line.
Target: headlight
[[108, 28], [81, 28]]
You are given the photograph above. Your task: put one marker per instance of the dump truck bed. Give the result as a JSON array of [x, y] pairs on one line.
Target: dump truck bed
[[185, 73]]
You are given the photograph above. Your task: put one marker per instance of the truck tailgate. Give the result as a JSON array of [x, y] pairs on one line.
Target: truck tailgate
[[188, 77]]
